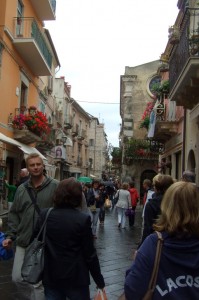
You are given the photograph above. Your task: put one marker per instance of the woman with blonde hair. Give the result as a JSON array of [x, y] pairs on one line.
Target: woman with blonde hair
[[123, 203], [178, 274]]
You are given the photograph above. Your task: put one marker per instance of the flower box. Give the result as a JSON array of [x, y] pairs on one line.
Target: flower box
[[26, 136]]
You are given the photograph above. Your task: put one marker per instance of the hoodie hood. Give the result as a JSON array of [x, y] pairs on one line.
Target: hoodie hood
[[182, 251]]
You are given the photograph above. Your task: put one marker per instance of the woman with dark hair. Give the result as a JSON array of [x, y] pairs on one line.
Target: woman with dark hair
[[152, 209], [177, 276], [69, 252]]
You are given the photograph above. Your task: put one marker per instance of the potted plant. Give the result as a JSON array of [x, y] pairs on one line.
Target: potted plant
[[174, 34], [37, 123]]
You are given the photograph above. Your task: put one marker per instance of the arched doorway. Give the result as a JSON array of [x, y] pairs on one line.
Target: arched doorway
[[191, 162], [147, 174]]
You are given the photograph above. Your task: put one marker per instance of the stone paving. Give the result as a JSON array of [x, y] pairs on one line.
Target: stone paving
[[114, 248]]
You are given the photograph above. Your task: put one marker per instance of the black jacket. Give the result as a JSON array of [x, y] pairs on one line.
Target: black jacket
[[69, 253], [151, 213]]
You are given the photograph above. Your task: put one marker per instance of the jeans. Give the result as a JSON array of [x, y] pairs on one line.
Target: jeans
[[25, 290], [95, 220], [121, 216], [82, 293]]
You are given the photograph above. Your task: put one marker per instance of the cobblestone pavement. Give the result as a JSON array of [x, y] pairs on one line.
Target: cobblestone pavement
[[114, 248]]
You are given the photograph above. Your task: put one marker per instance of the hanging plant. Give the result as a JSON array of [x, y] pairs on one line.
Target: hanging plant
[[146, 115], [161, 88]]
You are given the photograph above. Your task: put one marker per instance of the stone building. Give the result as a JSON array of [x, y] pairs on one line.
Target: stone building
[[135, 94], [98, 148]]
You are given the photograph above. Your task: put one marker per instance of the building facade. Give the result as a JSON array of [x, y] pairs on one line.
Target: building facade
[[28, 61], [135, 94]]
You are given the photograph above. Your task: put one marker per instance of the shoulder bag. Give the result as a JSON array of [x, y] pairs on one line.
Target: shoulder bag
[[152, 283], [107, 203], [32, 197], [33, 264]]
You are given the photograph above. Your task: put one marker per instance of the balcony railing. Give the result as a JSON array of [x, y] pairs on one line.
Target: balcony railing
[[45, 9], [180, 55], [68, 122], [26, 35], [75, 130], [184, 62], [82, 134]]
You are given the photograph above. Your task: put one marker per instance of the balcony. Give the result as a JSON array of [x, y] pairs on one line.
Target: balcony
[[81, 134], [164, 129], [79, 161], [26, 136], [45, 9], [29, 125], [184, 63], [68, 122], [32, 47], [75, 130]]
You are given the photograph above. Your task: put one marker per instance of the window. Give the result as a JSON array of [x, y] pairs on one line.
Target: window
[[19, 24], [23, 96], [91, 142], [1, 54], [23, 100]]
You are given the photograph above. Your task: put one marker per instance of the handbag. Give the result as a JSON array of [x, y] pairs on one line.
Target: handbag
[[92, 208], [129, 212], [152, 283], [100, 295], [33, 264], [149, 293], [107, 203]]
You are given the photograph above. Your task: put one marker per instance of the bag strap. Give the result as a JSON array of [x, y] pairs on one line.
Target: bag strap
[[33, 198], [154, 275], [43, 227]]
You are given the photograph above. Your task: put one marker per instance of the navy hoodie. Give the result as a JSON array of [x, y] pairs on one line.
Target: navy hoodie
[[178, 275]]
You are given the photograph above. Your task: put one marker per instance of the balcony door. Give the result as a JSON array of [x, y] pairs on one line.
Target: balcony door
[[19, 21]]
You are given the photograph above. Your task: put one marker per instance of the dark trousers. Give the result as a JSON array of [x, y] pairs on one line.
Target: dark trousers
[[82, 293], [102, 214], [132, 218]]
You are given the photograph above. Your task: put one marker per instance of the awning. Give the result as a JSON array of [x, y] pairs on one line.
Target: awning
[[25, 148], [69, 142]]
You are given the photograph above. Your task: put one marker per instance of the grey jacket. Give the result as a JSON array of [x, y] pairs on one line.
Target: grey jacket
[[23, 216], [124, 200]]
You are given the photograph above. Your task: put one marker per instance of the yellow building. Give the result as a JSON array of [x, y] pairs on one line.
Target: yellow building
[[27, 65]]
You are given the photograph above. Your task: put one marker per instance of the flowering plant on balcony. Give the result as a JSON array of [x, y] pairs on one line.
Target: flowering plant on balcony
[[137, 149], [146, 115], [37, 123]]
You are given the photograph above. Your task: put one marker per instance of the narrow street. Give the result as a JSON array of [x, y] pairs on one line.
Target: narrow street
[[114, 248]]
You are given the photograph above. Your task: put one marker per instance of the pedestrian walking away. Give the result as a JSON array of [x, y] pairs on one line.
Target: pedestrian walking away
[[124, 202], [70, 254], [161, 183], [134, 200], [93, 200], [103, 196], [22, 218], [177, 276]]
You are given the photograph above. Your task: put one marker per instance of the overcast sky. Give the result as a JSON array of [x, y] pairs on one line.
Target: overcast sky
[[96, 39]]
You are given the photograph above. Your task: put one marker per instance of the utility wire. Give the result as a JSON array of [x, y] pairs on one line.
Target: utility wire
[[98, 102], [61, 98]]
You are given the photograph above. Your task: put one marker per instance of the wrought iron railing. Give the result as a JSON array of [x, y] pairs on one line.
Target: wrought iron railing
[[53, 5], [180, 55], [188, 46], [27, 28]]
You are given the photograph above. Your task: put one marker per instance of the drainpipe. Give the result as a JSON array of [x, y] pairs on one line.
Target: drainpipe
[[184, 138]]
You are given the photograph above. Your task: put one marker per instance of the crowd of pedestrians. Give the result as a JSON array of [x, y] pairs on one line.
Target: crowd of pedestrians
[[170, 207]]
